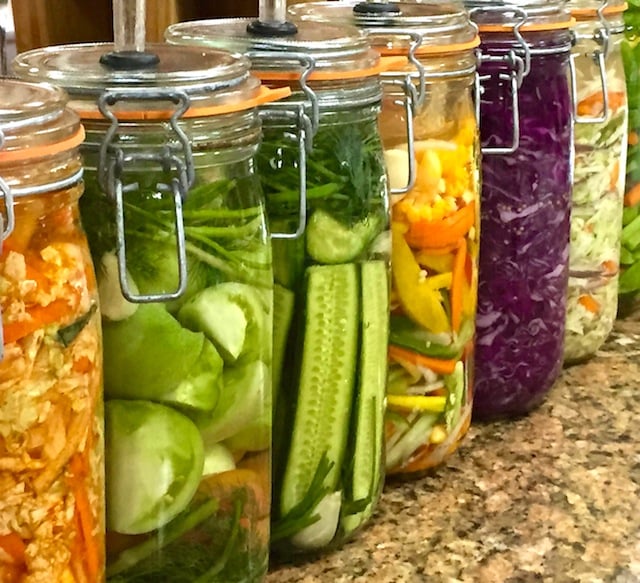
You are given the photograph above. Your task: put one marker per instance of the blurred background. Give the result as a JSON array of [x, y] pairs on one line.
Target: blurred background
[[40, 23]]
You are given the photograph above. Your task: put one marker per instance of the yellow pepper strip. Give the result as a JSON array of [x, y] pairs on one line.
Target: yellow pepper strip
[[421, 302], [439, 281], [439, 263], [434, 404]]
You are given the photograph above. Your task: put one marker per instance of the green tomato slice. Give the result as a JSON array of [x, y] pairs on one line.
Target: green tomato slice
[[154, 463]]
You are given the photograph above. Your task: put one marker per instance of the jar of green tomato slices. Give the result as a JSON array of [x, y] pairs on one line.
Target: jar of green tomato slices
[[176, 224], [430, 135], [51, 411], [599, 175], [328, 209], [629, 285]]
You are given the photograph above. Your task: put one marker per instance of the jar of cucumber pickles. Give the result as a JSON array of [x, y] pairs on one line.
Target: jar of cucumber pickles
[[430, 136], [176, 224], [629, 284], [51, 412], [331, 271], [599, 175], [526, 131]]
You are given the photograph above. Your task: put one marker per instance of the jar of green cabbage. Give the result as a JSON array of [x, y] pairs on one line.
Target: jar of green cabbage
[[598, 181], [176, 225], [328, 209]]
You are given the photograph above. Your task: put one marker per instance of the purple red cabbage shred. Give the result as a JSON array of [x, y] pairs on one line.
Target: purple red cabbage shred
[[524, 250]]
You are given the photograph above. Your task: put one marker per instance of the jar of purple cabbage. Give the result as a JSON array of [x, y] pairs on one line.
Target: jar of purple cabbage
[[526, 133]]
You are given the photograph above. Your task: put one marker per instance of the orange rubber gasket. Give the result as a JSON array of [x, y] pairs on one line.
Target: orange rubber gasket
[[265, 95], [29, 153], [433, 50], [528, 27], [587, 13], [381, 67]]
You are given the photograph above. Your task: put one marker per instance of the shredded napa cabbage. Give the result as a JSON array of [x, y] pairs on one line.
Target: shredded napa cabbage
[[585, 329]]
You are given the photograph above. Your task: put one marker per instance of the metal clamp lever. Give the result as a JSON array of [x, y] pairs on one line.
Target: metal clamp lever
[[416, 41], [303, 137], [308, 64], [116, 192], [178, 160], [407, 101], [514, 78], [601, 36]]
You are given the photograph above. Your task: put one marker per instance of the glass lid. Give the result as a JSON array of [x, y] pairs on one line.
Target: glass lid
[[585, 8], [333, 47], [34, 121], [540, 14], [78, 68], [441, 24]]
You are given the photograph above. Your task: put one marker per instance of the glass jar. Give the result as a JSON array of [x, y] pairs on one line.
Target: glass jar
[[526, 172], [629, 283], [331, 273], [430, 136], [176, 223], [598, 184], [51, 411]]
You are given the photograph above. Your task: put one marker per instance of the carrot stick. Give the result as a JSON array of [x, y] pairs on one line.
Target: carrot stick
[[457, 286], [632, 198], [437, 365], [79, 468], [14, 546], [442, 233], [590, 303]]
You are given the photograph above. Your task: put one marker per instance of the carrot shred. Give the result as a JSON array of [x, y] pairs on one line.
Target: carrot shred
[[457, 285], [615, 174], [40, 316], [632, 138], [632, 198], [13, 546], [590, 303], [592, 105], [610, 267], [437, 365], [83, 365], [443, 233], [79, 467]]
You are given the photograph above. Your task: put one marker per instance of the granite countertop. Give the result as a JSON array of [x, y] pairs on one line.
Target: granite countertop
[[553, 497]]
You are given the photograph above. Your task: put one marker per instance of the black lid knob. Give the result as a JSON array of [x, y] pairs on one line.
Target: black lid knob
[[260, 28], [129, 60], [365, 8]]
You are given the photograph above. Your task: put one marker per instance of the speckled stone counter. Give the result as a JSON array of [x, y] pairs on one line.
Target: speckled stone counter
[[553, 497]]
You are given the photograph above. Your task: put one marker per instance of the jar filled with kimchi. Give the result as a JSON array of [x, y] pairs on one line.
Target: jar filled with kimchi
[[599, 175], [430, 137], [51, 418]]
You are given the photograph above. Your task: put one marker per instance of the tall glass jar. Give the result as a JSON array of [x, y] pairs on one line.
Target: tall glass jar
[[526, 130], [51, 411], [629, 284], [430, 136], [598, 184], [176, 224], [331, 273]]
